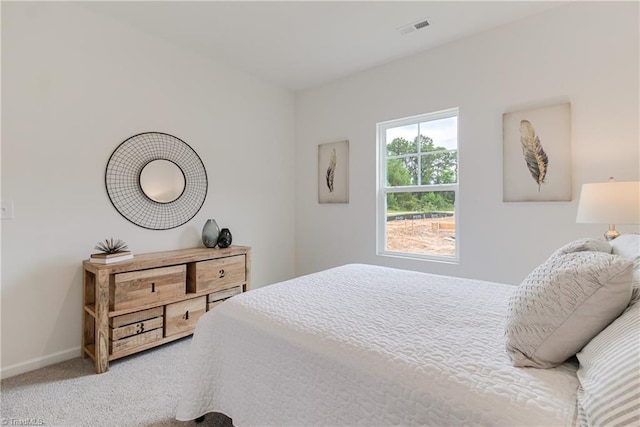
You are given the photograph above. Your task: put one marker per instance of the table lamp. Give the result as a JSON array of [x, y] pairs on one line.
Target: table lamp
[[610, 203]]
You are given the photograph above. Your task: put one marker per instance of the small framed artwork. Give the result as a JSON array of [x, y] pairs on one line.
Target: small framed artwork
[[537, 154], [333, 172]]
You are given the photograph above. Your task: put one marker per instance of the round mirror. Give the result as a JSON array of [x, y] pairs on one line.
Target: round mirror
[[156, 180], [162, 181]]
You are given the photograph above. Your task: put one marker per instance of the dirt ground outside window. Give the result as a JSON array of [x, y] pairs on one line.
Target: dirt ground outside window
[[430, 236]]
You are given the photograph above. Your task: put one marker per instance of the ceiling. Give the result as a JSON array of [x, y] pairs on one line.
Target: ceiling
[[302, 44]]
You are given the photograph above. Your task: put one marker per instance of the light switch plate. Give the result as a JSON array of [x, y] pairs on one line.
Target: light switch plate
[[6, 209]]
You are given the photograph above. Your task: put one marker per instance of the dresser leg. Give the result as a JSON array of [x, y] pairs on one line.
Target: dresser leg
[[102, 353], [102, 322]]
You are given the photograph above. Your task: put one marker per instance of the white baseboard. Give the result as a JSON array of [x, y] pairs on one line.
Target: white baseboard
[[39, 362]]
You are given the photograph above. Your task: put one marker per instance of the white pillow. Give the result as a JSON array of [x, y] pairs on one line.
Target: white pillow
[[563, 304], [628, 246], [609, 374], [584, 244]]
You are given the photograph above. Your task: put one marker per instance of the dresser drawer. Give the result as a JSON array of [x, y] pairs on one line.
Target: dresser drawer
[[134, 341], [182, 316], [216, 274], [132, 330], [210, 305], [222, 295], [135, 323], [139, 288]]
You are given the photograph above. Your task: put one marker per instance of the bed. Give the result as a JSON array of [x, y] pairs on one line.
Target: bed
[[369, 345]]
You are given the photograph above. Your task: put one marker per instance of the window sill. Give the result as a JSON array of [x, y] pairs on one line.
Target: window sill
[[420, 257]]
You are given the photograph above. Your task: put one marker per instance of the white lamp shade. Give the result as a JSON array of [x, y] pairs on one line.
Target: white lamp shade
[[610, 203]]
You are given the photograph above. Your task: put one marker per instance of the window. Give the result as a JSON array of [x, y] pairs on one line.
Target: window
[[418, 185]]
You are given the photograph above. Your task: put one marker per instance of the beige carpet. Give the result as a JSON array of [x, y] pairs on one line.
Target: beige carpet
[[139, 390]]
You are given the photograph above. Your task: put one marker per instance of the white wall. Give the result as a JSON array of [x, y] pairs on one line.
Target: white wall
[[74, 86], [586, 53]]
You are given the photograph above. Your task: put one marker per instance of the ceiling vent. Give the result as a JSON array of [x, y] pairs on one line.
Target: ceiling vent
[[410, 28]]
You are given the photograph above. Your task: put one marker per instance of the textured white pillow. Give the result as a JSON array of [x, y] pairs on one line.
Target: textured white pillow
[[563, 304], [609, 374], [583, 244]]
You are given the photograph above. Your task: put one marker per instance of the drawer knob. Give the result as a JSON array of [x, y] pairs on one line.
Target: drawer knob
[[221, 273], [186, 315]]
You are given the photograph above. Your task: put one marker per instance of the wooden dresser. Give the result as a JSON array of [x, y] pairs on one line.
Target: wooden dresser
[[155, 298]]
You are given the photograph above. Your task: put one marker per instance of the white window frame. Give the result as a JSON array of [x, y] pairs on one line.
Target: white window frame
[[383, 189]]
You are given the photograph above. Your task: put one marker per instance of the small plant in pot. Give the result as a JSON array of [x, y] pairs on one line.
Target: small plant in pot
[[112, 246]]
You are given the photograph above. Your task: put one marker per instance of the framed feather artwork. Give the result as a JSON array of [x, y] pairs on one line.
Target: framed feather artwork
[[537, 154], [333, 172]]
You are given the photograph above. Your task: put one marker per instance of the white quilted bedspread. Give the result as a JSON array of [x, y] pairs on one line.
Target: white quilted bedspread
[[370, 346]]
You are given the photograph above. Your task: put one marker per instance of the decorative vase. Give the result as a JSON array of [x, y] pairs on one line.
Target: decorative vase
[[224, 239], [210, 233]]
